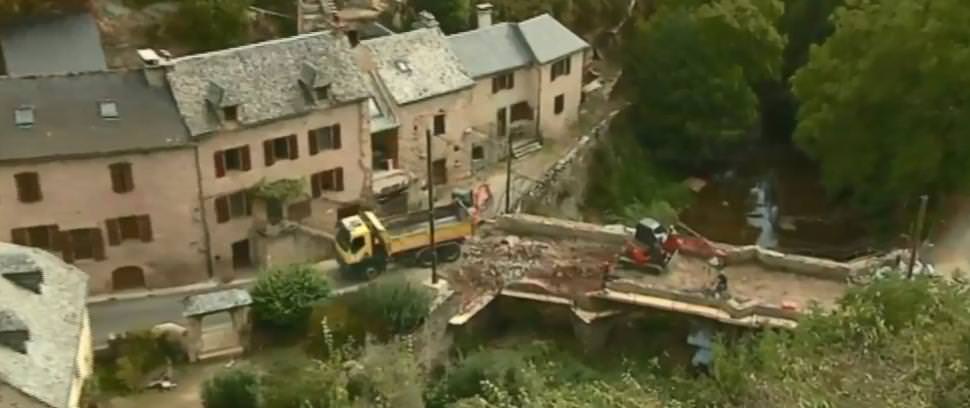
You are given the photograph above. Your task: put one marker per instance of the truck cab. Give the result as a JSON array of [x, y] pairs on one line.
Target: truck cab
[[358, 245]]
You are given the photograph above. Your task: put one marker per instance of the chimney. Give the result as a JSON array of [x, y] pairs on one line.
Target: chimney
[[484, 11], [426, 20], [13, 332], [153, 65]]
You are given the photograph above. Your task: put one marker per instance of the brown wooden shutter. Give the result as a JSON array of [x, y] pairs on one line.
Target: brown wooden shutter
[[67, 246], [114, 231], [315, 185], [339, 182], [249, 202], [511, 80], [294, 148], [53, 233], [268, 152], [97, 244], [312, 141], [145, 228], [19, 236], [222, 209], [336, 136], [220, 159], [495, 87], [246, 162], [128, 176], [117, 179]]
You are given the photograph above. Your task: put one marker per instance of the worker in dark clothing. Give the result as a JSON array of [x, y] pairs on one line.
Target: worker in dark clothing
[[721, 284]]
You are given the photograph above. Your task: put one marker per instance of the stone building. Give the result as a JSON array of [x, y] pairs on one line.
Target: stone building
[[290, 109], [45, 335]]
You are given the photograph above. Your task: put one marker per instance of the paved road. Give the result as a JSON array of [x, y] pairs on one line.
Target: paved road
[[139, 314]]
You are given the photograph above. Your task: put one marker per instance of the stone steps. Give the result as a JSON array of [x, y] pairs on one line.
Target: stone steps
[[524, 149]]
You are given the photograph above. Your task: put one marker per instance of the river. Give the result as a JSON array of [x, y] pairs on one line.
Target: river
[[774, 198]]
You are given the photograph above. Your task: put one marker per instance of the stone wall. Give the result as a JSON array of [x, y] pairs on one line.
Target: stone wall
[[290, 243], [806, 265], [565, 179], [534, 225]]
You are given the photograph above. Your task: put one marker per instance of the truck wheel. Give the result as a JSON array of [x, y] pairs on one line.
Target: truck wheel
[[449, 252], [372, 272]]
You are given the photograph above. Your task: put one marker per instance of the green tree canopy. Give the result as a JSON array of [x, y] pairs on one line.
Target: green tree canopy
[[693, 70], [283, 296], [207, 25], [452, 15], [882, 101]]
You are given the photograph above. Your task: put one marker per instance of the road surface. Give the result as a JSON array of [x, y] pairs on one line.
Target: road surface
[[139, 314]]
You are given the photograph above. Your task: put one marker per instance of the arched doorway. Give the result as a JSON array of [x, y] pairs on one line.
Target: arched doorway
[[128, 277]]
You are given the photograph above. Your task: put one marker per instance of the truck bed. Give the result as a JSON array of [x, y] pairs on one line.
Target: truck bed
[[411, 232]]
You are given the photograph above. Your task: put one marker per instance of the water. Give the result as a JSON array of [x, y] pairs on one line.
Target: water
[[774, 198]]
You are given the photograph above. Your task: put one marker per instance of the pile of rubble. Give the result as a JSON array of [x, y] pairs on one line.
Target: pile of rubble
[[489, 262]]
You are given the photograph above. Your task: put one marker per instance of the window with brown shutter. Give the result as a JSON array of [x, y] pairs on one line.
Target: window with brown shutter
[[84, 243], [40, 236], [134, 228], [439, 124], [559, 104], [325, 138], [268, 153], [145, 228], [222, 209], [329, 180], [281, 148], [235, 159], [122, 180], [504, 81], [28, 187]]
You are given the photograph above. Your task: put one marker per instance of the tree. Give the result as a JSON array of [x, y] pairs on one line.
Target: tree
[[12, 9], [452, 15], [207, 25], [235, 388], [880, 103], [693, 70], [284, 296]]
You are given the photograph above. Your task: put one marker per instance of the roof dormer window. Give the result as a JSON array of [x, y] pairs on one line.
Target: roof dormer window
[[322, 92], [108, 110], [24, 116], [230, 113]]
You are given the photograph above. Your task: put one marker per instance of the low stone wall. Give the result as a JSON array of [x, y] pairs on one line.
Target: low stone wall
[[731, 307], [534, 225], [805, 265], [292, 243]]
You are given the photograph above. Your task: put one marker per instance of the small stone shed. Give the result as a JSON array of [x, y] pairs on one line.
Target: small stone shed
[[219, 340]]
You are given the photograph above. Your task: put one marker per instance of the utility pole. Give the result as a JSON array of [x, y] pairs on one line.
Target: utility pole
[[508, 173], [434, 247], [917, 235]]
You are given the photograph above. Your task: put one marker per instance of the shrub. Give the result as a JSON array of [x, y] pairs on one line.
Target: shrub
[[284, 296], [395, 307], [236, 388], [138, 354], [504, 369]]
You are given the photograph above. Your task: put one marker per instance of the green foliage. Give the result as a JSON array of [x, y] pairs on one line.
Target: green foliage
[[805, 23], [235, 388], [12, 9], [453, 15], [625, 184], [502, 368], [880, 135], [693, 101], [284, 296], [398, 305], [138, 354], [207, 25], [282, 190], [893, 332]]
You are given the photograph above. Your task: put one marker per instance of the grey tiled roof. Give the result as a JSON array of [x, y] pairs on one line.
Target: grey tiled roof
[[215, 302], [430, 67], [548, 39], [67, 120], [53, 45], [264, 79], [492, 49], [54, 318]]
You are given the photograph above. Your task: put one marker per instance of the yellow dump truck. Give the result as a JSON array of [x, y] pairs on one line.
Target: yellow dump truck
[[366, 244]]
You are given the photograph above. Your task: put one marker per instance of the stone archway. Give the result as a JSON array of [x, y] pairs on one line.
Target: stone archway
[[128, 277]]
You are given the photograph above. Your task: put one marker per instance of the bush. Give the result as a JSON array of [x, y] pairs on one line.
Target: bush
[[284, 296], [396, 307], [137, 355], [236, 388]]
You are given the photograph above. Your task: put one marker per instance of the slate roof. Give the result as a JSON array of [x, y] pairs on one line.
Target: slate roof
[[491, 49], [53, 45], [264, 79], [508, 46], [67, 118], [214, 302], [54, 318], [432, 68], [548, 39]]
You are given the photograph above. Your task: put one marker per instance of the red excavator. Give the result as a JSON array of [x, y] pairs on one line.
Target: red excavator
[[654, 244]]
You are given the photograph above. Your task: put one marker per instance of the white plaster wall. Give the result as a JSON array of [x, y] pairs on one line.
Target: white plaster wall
[[416, 117], [556, 126]]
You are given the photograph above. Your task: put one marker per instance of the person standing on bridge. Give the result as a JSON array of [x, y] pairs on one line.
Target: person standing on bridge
[[721, 285]]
